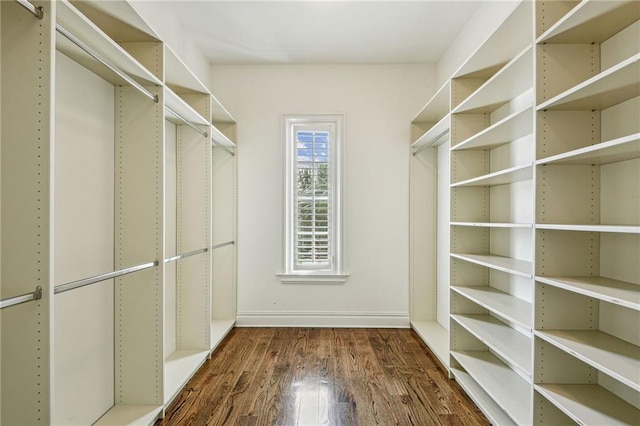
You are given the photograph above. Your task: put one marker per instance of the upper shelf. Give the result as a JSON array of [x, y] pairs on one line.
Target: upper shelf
[[515, 78], [510, 128], [81, 27], [613, 151], [502, 177], [612, 86], [504, 43], [178, 76], [592, 22], [437, 107]]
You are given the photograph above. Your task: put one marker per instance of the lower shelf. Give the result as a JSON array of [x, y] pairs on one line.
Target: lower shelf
[[509, 391], [590, 404], [219, 330], [436, 337], [130, 415], [179, 367], [490, 409]]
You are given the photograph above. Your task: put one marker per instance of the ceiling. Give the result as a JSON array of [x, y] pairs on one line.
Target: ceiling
[[286, 32]]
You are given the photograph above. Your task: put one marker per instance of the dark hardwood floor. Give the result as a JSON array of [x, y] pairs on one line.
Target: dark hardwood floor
[[322, 376]]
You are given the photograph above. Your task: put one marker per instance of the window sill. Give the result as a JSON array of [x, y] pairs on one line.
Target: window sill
[[313, 278]]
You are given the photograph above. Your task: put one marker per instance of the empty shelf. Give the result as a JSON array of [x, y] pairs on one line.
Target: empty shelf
[[501, 263], [620, 149], [437, 107], [510, 128], [618, 229], [177, 104], [130, 415], [613, 356], [493, 224], [590, 404], [606, 289], [435, 135], [502, 177], [502, 304], [435, 337], [179, 367]]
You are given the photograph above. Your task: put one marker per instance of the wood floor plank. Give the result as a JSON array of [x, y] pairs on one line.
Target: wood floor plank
[[323, 377]]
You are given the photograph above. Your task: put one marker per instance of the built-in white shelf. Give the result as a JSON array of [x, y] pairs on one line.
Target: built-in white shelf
[[612, 86], [613, 356], [606, 289], [436, 337], [592, 22], [435, 135], [503, 177], [613, 151], [590, 404], [512, 80], [494, 413], [507, 342], [130, 415], [179, 367], [178, 76], [437, 107], [502, 304], [510, 128], [177, 104], [617, 229], [509, 390], [510, 265], [493, 224], [86, 31], [219, 330]]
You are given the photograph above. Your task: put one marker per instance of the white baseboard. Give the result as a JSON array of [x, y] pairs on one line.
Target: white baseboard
[[324, 319]]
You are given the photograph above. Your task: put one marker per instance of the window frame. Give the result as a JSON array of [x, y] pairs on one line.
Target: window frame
[[292, 272]]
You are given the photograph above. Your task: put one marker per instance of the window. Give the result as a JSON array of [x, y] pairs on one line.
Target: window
[[313, 199]]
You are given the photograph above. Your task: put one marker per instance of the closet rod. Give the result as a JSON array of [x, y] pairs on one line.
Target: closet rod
[[11, 301], [422, 148], [102, 277], [222, 147], [106, 63], [185, 121], [183, 255], [38, 12], [217, 246]]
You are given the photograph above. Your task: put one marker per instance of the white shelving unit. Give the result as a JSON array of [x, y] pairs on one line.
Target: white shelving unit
[[587, 358], [131, 207], [429, 190]]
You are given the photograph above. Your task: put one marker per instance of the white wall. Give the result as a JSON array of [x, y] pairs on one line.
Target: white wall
[[378, 102]]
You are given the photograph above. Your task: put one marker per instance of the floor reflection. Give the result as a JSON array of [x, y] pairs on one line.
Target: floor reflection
[[311, 403]]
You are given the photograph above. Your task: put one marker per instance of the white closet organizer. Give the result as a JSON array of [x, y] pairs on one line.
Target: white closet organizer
[[587, 319], [131, 190], [429, 225]]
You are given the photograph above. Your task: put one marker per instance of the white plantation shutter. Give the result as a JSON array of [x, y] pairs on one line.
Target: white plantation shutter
[[312, 229], [313, 201]]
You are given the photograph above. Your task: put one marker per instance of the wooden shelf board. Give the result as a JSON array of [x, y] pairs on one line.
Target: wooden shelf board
[[510, 265], [130, 415], [434, 136], [179, 367], [613, 356], [502, 304], [437, 107], [503, 177], [77, 24], [435, 337], [613, 151], [176, 103], [606, 289], [592, 22], [612, 86], [510, 391], [618, 229], [508, 343], [493, 224], [515, 78], [590, 404], [512, 127], [219, 330], [494, 413]]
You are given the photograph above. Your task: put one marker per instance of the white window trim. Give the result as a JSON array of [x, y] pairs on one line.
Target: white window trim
[[289, 274]]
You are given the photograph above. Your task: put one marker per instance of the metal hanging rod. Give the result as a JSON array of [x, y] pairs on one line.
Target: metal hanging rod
[[183, 255], [106, 63], [217, 246], [185, 121], [222, 147], [38, 12], [11, 301], [422, 148], [102, 277]]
